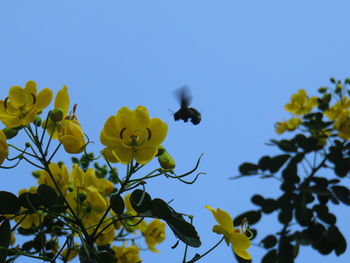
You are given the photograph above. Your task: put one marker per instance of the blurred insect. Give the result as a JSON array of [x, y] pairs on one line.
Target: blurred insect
[[186, 113]]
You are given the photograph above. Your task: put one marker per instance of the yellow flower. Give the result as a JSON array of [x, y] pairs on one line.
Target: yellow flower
[[85, 198], [240, 242], [133, 223], [60, 174], [154, 234], [34, 219], [62, 105], [334, 112], [107, 236], [66, 128], [72, 136], [342, 125], [3, 147], [23, 104], [289, 125], [73, 252], [127, 254], [300, 103], [132, 135]]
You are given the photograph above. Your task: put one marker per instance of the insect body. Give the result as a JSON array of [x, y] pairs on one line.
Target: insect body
[[186, 113]]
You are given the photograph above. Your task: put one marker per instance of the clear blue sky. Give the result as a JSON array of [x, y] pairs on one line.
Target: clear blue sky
[[241, 59]]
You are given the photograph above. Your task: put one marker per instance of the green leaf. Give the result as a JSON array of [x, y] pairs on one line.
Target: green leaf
[[9, 203], [5, 238], [252, 216], [269, 241], [258, 200], [270, 257], [248, 169], [161, 209], [184, 230], [30, 201], [140, 200], [264, 163], [117, 204], [342, 193], [48, 195], [278, 161]]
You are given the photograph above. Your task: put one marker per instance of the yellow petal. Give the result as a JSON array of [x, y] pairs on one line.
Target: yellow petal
[[159, 131], [124, 155], [62, 100], [30, 87], [144, 155], [240, 243], [109, 156], [111, 132], [223, 218], [18, 96], [43, 99]]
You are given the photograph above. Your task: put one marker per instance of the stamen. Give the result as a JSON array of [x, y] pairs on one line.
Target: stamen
[[121, 133], [149, 133], [34, 98], [5, 102]]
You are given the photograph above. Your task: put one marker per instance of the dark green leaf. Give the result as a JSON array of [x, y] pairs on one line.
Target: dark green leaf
[[258, 200], [270, 257], [278, 161], [9, 203], [269, 206], [184, 230], [252, 216], [117, 204], [342, 193], [264, 163], [161, 209], [141, 201], [30, 201], [5, 238], [248, 169], [269, 241], [48, 195], [106, 257]]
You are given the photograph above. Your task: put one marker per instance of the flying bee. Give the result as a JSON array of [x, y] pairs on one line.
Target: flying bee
[[186, 113]]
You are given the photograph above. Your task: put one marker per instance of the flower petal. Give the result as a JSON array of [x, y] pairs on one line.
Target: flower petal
[[124, 155], [240, 243], [159, 131], [223, 218], [62, 100], [144, 155], [43, 99]]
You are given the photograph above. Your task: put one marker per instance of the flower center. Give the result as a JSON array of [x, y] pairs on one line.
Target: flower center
[[134, 139]]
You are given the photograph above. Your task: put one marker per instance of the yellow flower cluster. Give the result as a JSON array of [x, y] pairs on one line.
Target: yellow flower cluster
[[300, 103], [340, 114]]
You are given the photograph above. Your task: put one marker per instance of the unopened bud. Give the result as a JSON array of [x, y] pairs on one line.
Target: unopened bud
[[36, 174], [27, 144], [37, 121], [338, 88], [82, 196], [166, 161], [161, 150], [56, 115], [10, 132]]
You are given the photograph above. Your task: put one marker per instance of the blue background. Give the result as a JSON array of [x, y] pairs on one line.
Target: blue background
[[241, 59]]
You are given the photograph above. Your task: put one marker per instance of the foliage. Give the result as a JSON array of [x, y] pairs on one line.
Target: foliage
[[312, 170]]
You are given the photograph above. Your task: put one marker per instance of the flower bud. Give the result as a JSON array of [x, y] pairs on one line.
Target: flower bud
[[166, 161], [56, 115], [37, 121], [36, 174], [82, 196], [161, 150], [10, 132]]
